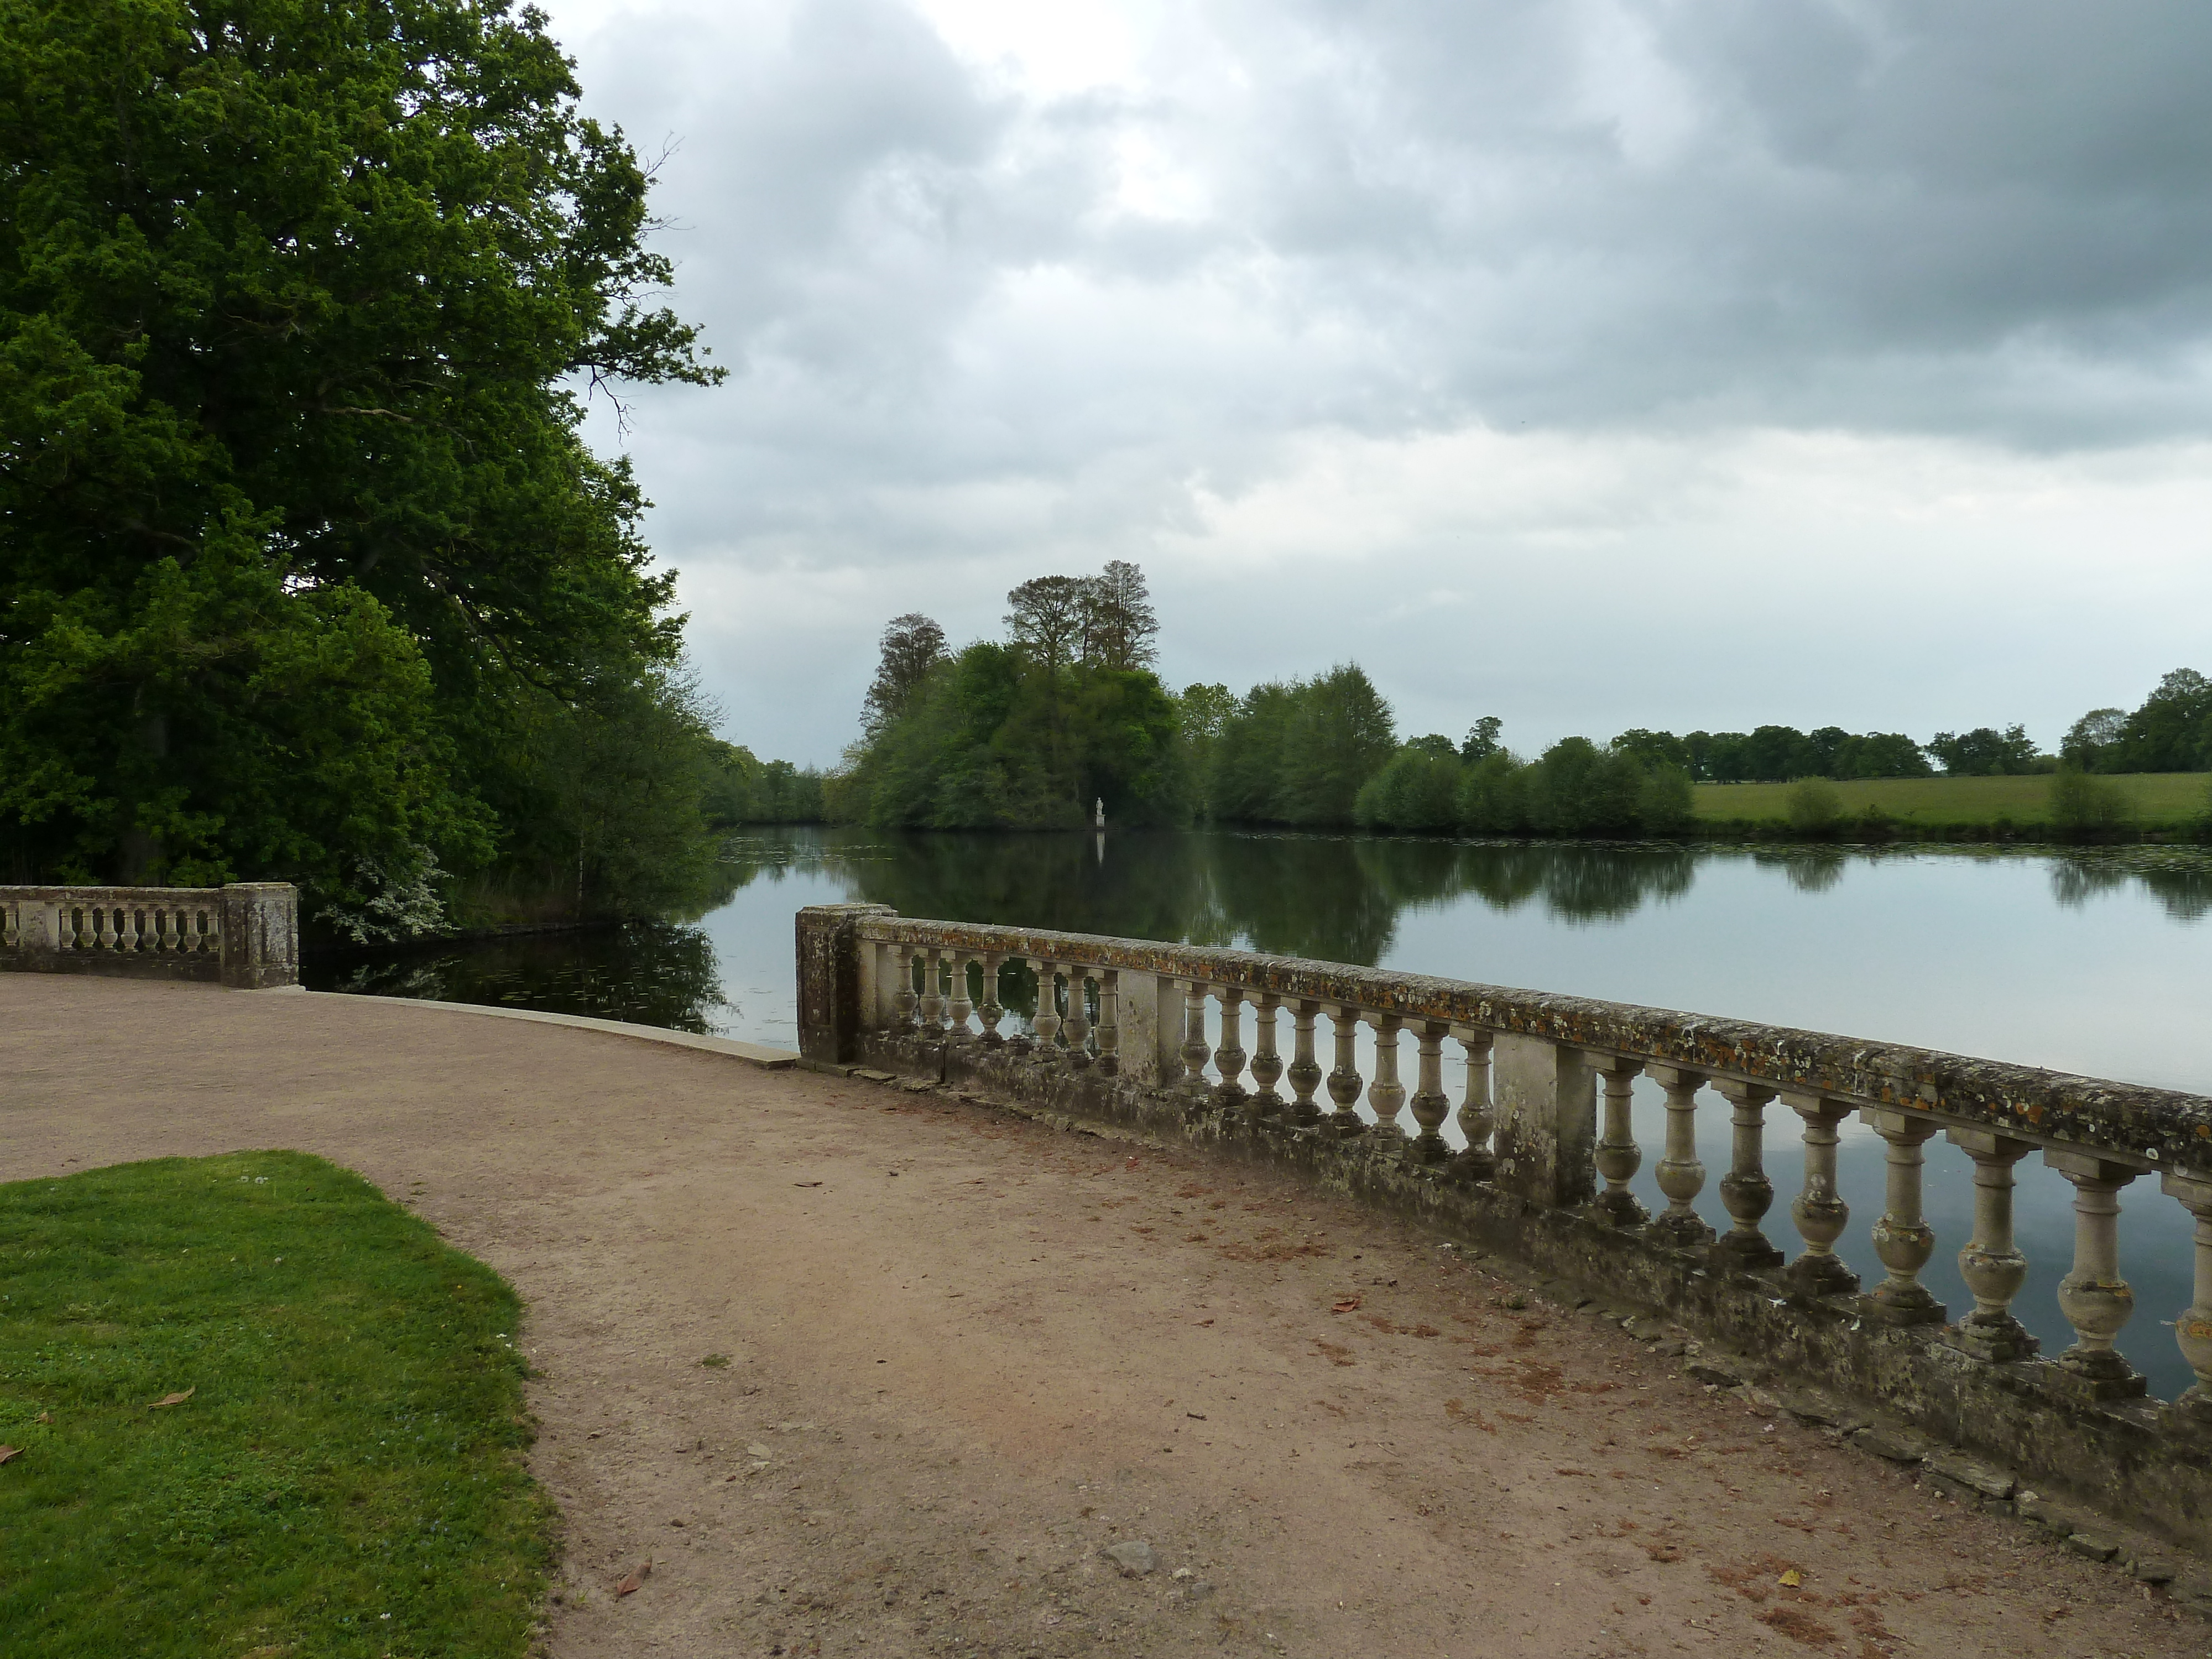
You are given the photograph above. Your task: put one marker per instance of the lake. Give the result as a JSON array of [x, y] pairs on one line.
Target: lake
[[2093, 962]]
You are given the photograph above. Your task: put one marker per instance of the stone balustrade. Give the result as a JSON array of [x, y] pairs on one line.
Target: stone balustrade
[[246, 935], [1545, 1150]]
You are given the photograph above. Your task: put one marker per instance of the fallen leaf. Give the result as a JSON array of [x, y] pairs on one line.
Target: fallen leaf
[[1347, 1305], [1791, 1579], [638, 1574], [46, 1416], [806, 1183], [6, 1452], [174, 1399]]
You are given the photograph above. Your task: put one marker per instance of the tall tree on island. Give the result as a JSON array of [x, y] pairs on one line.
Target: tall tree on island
[[305, 553]]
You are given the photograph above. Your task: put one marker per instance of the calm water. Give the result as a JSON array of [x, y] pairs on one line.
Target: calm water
[[2096, 963]]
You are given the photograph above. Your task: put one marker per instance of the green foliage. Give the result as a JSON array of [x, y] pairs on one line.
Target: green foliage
[[300, 524], [1000, 737], [2172, 732], [1299, 754], [346, 1477], [2082, 805], [743, 790], [1418, 790], [1814, 808], [1984, 752]]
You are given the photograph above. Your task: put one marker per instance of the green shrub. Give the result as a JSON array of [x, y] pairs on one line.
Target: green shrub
[[1813, 807], [2083, 805]]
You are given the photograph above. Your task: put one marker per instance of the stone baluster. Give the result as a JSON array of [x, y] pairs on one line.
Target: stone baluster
[[1820, 1215], [104, 933], [958, 1011], [1266, 1064], [1344, 1079], [1078, 1018], [991, 1012], [1477, 1117], [2192, 1327], [1110, 1022], [905, 1001], [1304, 1072], [933, 993], [1386, 1096], [1681, 1177], [1228, 1056], [1991, 1263], [2094, 1299], [1746, 1191], [1432, 1105], [1194, 1051], [1047, 1022], [1903, 1239], [1618, 1157]]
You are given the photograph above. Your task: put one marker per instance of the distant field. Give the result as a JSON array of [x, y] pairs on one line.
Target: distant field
[[2161, 798]]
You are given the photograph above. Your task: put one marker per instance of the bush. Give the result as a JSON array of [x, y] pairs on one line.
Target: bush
[[1418, 790], [1815, 807], [2081, 805], [1665, 803]]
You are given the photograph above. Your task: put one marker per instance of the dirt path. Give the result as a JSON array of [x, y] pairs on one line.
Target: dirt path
[[965, 1354]]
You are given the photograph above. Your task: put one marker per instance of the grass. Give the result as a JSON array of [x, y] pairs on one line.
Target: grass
[[2162, 799], [346, 1478]]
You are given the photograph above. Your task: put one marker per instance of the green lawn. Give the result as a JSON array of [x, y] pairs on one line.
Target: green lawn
[[346, 1478], [2162, 799]]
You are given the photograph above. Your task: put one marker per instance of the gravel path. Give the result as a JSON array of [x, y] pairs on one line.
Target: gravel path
[[865, 1371]]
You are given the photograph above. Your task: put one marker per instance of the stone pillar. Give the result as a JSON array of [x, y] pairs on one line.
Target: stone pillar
[[1477, 1119], [1228, 1056], [1903, 1239], [1194, 1051], [260, 935], [1432, 1105], [831, 1014], [1819, 1213], [2096, 1301], [1077, 1027], [1046, 1021], [1304, 1072], [961, 1006], [1618, 1157], [1992, 1264], [1386, 1096], [2192, 1327], [1266, 1062], [1151, 1018], [1682, 1175], [1546, 1113], [990, 1011], [1745, 1190], [1343, 1077]]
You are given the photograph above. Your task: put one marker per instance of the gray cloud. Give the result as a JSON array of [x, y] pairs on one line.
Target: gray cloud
[[978, 331]]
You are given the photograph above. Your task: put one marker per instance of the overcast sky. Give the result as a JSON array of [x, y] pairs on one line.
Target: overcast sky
[[1587, 362]]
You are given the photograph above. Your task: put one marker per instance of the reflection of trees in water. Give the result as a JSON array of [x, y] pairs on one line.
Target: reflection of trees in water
[[2180, 878], [1576, 882], [1809, 869], [649, 973], [1336, 899]]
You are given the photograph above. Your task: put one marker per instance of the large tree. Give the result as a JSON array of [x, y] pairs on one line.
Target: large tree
[[295, 298]]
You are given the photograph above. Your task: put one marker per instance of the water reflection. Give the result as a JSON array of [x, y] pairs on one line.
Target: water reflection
[[1335, 898], [647, 973], [2180, 877]]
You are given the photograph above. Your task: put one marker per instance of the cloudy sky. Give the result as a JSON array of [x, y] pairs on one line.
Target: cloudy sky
[[1594, 363]]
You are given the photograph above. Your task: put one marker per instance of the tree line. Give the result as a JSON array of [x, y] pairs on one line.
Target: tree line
[[1027, 732]]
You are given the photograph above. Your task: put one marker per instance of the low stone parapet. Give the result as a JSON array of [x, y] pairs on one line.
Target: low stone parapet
[[246, 935], [1152, 1033]]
